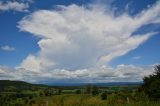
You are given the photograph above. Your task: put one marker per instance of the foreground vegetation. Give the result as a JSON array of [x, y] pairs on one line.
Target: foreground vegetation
[[88, 100], [18, 93], [114, 99]]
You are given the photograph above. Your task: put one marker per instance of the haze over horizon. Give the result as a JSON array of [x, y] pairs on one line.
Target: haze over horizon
[[79, 41]]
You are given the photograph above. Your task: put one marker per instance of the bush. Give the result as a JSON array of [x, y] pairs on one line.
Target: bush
[[88, 89], [91, 90], [78, 91], [95, 90], [59, 91], [32, 102], [104, 96]]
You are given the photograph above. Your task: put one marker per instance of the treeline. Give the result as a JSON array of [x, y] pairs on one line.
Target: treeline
[[151, 84]]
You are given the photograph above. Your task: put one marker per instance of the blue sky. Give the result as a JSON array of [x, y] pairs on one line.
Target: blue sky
[[36, 36]]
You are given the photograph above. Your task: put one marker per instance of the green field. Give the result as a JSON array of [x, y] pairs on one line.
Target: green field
[[81, 100], [15, 93], [88, 100]]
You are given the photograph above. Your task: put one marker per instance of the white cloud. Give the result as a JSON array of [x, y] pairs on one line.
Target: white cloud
[[14, 5], [7, 73], [30, 1], [121, 73], [7, 48], [76, 45], [136, 57], [27, 1], [75, 38]]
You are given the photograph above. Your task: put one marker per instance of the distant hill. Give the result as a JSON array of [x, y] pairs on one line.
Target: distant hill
[[22, 84], [97, 84], [5, 84], [13, 83], [118, 83]]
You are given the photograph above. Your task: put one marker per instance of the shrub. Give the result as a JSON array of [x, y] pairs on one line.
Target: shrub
[[104, 96], [78, 91], [88, 89], [91, 90], [95, 90]]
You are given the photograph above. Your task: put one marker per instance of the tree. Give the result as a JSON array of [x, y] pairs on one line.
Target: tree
[[151, 84], [95, 90], [49, 91], [91, 89], [59, 91], [88, 89]]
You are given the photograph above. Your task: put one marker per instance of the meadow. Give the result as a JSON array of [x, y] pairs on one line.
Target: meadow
[[88, 100], [89, 95]]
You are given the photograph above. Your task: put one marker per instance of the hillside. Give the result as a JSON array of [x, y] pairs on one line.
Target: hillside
[[20, 85]]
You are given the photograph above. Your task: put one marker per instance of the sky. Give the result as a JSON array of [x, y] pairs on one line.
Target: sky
[[79, 41]]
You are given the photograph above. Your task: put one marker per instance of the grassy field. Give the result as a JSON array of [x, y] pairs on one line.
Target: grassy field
[[88, 100], [23, 94]]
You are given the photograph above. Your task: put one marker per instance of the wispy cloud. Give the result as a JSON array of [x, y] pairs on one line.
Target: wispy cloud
[[136, 57], [7, 48]]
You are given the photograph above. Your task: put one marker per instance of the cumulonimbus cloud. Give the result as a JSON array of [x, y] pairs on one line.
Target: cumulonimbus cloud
[[75, 38], [77, 43]]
